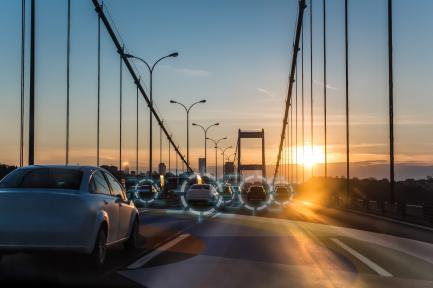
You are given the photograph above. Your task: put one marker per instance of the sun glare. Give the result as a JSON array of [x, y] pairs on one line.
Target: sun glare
[[309, 156]]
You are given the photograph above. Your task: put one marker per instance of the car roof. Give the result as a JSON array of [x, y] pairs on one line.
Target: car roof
[[72, 167]]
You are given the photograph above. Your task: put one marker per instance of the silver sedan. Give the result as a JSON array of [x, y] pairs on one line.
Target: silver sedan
[[65, 208]]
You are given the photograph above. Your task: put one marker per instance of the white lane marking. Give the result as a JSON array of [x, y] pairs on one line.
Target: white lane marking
[[146, 258], [216, 215], [373, 266]]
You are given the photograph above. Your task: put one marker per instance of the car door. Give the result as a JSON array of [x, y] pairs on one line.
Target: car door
[[108, 202], [125, 209]]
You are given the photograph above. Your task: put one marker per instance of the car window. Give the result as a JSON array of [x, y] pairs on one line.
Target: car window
[[46, 178], [98, 184], [117, 188]]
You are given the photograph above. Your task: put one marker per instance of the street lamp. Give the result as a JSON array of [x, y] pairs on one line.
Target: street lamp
[[228, 157], [187, 109], [215, 142], [205, 142], [151, 68], [223, 153]]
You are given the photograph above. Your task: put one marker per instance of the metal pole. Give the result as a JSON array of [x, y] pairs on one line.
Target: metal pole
[[302, 107], [391, 103], [311, 84], [32, 85], [150, 124], [136, 136], [291, 139], [169, 156], [187, 136], [296, 127], [68, 52], [347, 96], [216, 162], [120, 112], [324, 85], [205, 151], [160, 145], [99, 89], [23, 43]]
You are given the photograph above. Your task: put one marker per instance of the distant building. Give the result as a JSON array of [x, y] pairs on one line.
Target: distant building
[[201, 165], [162, 168]]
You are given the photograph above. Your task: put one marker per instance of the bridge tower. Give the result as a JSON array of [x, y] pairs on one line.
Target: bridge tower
[[251, 167]]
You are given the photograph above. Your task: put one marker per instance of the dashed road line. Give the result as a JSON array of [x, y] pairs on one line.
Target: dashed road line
[[373, 266]]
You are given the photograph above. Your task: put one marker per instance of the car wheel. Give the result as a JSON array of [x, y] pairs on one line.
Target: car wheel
[[132, 242], [100, 250]]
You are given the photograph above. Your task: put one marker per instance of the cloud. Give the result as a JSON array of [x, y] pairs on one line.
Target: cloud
[[264, 91], [193, 72], [328, 86]]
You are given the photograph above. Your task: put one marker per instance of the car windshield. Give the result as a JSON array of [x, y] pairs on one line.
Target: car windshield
[[46, 178]]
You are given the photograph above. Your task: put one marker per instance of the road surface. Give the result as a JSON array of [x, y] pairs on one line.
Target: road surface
[[298, 245]]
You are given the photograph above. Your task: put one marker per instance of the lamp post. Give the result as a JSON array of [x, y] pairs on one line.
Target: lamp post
[[223, 153], [216, 156], [151, 68], [205, 142], [187, 109], [228, 157]]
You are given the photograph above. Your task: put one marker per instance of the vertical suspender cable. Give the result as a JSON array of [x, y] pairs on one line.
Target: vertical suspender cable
[[176, 162], [296, 127], [291, 135], [289, 144], [169, 156], [68, 56], [347, 96], [160, 144], [32, 84], [136, 135], [302, 109], [311, 86], [120, 108], [391, 104], [324, 86], [23, 39], [99, 89]]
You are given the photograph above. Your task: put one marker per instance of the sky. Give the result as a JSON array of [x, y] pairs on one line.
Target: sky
[[234, 54]]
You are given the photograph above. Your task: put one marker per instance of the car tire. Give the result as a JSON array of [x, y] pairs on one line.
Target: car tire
[[132, 242], [99, 253]]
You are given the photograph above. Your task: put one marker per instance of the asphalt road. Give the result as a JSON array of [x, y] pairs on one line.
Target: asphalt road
[[298, 245]]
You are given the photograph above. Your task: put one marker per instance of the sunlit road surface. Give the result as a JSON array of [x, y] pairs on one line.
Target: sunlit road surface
[[298, 246]]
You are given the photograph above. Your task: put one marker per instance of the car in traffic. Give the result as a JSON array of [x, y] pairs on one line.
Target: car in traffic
[[201, 194], [256, 193], [142, 194], [65, 208], [283, 193]]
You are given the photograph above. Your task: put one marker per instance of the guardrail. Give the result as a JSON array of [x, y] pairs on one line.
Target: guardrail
[[410, 212]]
